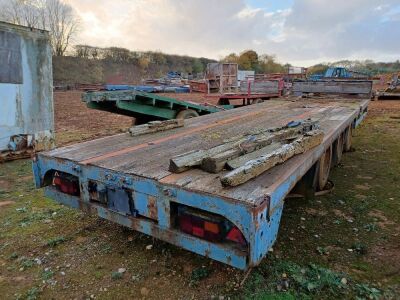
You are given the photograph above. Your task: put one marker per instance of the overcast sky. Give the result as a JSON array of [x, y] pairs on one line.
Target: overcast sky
[[301, 32]]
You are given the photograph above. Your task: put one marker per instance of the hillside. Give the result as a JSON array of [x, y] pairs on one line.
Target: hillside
[[89, 65]]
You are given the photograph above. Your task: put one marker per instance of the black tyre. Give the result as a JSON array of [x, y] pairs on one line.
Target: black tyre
[[139, 120], [348, 136], [187, 114], [324, 169], [257, 100], [338, 148]]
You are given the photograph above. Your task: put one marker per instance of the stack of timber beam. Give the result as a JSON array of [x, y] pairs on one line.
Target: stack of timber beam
[[248, 156]]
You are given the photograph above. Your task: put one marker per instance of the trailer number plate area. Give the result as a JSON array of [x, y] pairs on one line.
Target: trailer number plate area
[[120, 200], [123, 201]]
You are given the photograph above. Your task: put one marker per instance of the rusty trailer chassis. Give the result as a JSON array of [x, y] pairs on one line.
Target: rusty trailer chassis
[[126, 180]]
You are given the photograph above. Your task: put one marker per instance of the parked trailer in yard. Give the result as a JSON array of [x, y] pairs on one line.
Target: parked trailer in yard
[[129, 180], [147, 107]]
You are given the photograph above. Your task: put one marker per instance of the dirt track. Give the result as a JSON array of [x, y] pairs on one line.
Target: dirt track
[[75, 122]]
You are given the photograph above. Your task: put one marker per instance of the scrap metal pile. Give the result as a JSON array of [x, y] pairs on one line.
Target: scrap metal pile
[[388, 87], [247, 156]]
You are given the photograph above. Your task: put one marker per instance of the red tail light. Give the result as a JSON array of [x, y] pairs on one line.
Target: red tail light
[[197, 225], [235, 235], [66, 183], [208, 226]]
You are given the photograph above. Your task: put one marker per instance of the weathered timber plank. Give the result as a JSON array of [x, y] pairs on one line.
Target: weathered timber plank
[[156, 126], [183, 162], [242, 160], [213, 160], [257, 166], [216, 163]]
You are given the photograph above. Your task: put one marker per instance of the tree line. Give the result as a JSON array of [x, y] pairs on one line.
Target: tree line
[[368, 67], [56, 16], [261, 64], [142, 59]]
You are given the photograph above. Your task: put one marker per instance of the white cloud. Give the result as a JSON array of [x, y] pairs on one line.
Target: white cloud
[[248, 12], [308, 32]]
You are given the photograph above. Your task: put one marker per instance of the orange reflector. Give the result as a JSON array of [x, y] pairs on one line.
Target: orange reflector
[[211, 227]]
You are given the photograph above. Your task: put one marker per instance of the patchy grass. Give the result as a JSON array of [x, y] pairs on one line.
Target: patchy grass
[[343, 245], [55, 241], [199, 274], [282, 279], [354, 229]]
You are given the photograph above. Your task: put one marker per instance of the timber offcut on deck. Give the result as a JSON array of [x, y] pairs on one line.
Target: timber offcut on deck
[[149, 155]]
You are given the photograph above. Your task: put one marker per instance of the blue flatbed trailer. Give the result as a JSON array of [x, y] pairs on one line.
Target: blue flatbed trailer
[[127, 180]]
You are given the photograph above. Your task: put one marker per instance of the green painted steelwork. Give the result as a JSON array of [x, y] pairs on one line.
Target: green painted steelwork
[[144, 109], [136, 104]]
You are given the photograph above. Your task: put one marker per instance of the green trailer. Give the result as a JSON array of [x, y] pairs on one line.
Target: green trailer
[[145, 107]]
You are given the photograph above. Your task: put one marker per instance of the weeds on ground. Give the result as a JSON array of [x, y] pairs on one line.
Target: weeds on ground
[[56, 241], [116, 275], [287, 280], [199, 274]]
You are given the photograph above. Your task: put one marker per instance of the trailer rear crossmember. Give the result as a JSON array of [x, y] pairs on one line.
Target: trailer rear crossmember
[[127, 180]]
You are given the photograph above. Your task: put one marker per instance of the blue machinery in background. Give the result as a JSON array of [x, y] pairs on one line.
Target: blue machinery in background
[[339, 73]]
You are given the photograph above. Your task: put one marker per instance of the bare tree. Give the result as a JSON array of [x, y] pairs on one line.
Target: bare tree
[[11, 12], [54, 15], [62, 23], [23, 12]]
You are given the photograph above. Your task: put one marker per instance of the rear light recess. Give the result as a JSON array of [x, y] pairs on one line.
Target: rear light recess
[[66, 183], [208, 226]]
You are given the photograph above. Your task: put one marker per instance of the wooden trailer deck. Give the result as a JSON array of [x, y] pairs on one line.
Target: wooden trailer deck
[[127, 180], [149, 155]]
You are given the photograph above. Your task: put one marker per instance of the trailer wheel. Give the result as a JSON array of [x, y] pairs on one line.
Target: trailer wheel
[[324, 168], [256, 101], [187, 114], [348, 138], [338, 147], [139, 120]]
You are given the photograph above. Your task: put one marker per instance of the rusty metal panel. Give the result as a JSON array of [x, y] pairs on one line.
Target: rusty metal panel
[[146, 205], [26, 91]]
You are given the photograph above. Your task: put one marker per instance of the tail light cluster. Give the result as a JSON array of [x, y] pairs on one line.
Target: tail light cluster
[[66, 183], [208, 226]]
